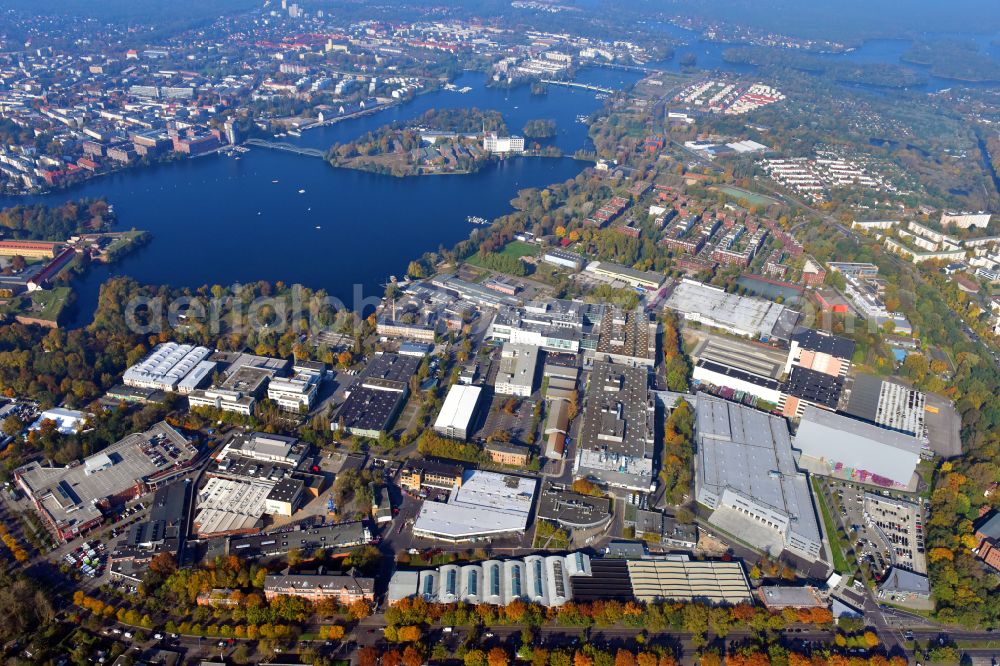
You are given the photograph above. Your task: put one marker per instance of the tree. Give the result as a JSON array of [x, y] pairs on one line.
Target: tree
[[368, 656], [498, 657], [625, 658], [586, 487], [412, 657], [475, 658], [408, 634]]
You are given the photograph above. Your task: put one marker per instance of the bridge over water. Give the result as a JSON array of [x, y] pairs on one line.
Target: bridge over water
[[287, 147], [585, 86]]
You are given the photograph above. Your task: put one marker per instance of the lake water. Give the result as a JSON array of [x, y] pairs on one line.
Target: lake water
[[889, 51], [221, 220]]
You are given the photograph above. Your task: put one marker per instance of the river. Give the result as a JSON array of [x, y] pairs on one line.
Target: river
[[221, 220]]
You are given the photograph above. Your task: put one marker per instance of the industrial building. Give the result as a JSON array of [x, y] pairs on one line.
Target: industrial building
[[779, 597], [626, 274], [458, 411], [256, 473], [627, 337], [888, 404], [518, 366], [752, 368], [296, 393], [810, 387], [668, 578], [228, 506], [171, 367], [74, 498], [833, 444], [285, 497], [163, 531], [656, 527], [716, 374], [375, 400], [265, 447], [486, 504], [817, 368], [740, 315], [392, 328], [617, 439], [223, 400], [558, 257], [678, 578], [243, 380], [820, 351], [572, 510], [66, 421], [745, 472], [902, 585], [303, 538], [554, 325], [544, 580]]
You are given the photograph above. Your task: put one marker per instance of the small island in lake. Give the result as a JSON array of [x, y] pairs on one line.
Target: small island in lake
[[540, 128], [441, 141]]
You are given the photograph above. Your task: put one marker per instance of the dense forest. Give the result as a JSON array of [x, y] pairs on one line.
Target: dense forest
[[540, 128], [954, 60], [873, 74], [41, 222]]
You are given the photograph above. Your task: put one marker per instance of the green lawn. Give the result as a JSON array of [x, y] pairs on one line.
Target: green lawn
[[47, 304], [751, 197], [515, 249], [837, 545]]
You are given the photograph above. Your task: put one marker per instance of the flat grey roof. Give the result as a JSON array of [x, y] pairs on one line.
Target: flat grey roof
[[753, 316], [821, 425], [750, 452], [68, 494], [571, 508]]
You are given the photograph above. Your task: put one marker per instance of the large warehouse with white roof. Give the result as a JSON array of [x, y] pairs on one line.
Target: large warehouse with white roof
[[458, 411], [739, 315], [485, 504], [171, 367], [836, 445]]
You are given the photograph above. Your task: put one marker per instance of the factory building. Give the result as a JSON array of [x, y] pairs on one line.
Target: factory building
[[745, 473], [833, 444]]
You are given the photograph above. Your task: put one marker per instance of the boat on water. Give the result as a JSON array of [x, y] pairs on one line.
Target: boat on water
[[294, 133], [318, 227], [274, 181], [475, 219], [302, 191]]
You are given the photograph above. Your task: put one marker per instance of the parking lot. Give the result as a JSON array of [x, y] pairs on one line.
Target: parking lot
[[900, 524], [942, 422], [517, 423], [868, 546], [883, 530], [90, 558]]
